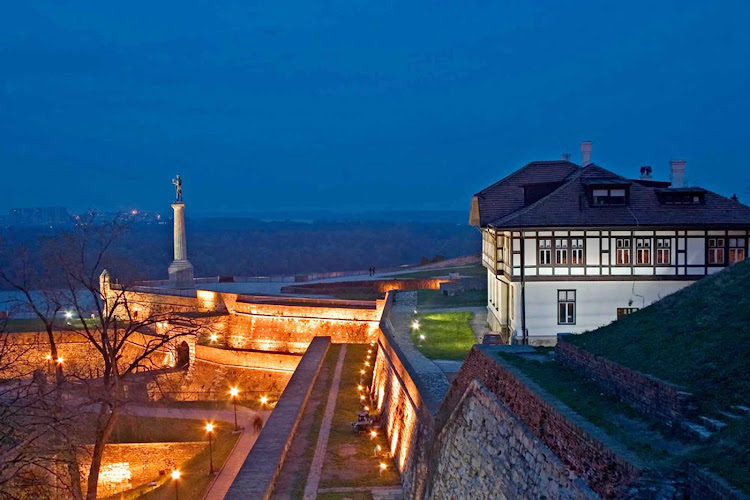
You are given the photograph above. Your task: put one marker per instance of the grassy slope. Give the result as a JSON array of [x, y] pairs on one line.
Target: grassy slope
[[698, 337], [448, 335]]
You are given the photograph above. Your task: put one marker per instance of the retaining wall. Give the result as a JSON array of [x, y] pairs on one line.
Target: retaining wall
[[263, 464], [380, 286], [484, 451], [584, 450], [289, 324], [656, 398]]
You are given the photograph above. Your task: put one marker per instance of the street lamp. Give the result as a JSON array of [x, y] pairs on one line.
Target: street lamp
[[263, 400], [48, 357], [233, 392], [176, 478], [210, 430]]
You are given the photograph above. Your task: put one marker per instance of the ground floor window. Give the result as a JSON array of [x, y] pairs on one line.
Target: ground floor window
[[624, 311], [566, 307]]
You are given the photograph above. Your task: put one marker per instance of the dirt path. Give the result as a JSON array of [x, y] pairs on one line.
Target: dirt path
[[313, 479]]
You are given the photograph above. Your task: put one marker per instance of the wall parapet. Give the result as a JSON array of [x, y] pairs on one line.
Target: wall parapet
[[262, 465], [586, 451], [651, 396], [707, 485]]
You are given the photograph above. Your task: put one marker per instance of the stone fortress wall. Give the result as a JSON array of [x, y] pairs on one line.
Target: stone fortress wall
[[488, 435]]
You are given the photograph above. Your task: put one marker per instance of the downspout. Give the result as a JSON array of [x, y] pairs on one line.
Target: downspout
[[524, 332]]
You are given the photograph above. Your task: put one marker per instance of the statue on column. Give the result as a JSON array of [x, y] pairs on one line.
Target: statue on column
[[178, 187]]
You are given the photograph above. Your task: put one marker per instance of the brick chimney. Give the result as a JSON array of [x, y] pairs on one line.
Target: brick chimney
[[678, 173], [646, 173], [585, 153]]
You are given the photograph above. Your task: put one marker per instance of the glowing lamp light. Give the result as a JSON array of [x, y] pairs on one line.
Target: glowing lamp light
[[60, 360], [379, 448], [234, 392], [214, 337], [369, 351], [415, 311], [367, 363], [264, 399], [383, 466], [68, 314], [209, 427], [48, 357], [415, 324], [373, 434], [361, 397], [175, 474], [359, 387], [421, 337], [367, 408], [362, 372]]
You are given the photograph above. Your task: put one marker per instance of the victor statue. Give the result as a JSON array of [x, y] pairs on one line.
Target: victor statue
[[178, 187]]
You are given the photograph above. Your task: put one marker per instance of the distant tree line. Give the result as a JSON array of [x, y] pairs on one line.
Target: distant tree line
[[231, 246]]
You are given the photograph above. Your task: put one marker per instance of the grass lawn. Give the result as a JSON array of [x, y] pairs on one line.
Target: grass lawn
[[727, 453], [606, 412], [447, 335], [300, 480], [435, 298], [350, 458], [698, 337]]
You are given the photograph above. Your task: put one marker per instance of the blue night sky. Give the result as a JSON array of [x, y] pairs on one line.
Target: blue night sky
[[359, 105]]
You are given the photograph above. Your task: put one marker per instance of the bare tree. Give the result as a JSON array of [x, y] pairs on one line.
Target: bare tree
[[124, 337]]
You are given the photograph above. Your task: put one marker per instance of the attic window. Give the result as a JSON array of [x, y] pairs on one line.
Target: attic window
[[669, 197], [608, 197]]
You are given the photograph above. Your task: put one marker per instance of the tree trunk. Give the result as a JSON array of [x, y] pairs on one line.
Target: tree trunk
[[104, 425]]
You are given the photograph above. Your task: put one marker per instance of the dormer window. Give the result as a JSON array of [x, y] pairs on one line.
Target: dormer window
[[608, 197], [683, 196], [607, 192]]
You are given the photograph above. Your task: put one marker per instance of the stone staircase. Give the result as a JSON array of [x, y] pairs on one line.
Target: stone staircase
[[703, 427]]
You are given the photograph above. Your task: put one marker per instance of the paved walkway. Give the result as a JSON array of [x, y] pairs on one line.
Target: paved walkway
[[242, 447], [313, 478]]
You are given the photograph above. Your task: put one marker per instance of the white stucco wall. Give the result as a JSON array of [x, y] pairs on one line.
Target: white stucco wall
[[596, 302]]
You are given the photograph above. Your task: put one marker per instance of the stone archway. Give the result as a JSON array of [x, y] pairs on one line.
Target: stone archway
[[182, 355]]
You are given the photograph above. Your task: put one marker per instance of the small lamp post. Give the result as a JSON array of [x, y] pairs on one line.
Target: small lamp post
[[176, 478], [48, 357], [233, 392], [210, 430]]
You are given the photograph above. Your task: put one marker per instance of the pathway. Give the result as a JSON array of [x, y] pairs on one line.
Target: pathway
[[313, 478], [242, 447], [377, 492]]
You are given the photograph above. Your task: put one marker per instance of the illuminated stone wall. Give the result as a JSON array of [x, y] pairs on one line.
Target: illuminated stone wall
[[291, 326], [127, 466], [380, 286]]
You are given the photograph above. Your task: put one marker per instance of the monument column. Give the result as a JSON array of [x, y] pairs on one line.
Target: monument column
[[180, 270]]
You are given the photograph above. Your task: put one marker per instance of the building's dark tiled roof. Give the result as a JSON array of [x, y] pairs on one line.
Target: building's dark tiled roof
[[568, 205], [507, 195]]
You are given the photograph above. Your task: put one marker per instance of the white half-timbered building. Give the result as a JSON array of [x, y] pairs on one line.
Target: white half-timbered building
[[570, 248]]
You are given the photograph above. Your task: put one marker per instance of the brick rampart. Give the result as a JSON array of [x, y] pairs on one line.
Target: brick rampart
[[656, 398], [261, 467], [260, 360], [584, 449]]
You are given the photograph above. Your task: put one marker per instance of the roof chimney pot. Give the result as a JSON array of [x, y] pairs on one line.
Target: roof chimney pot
[[565, 156], [585, 153], [646, 173], [678, 173]]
